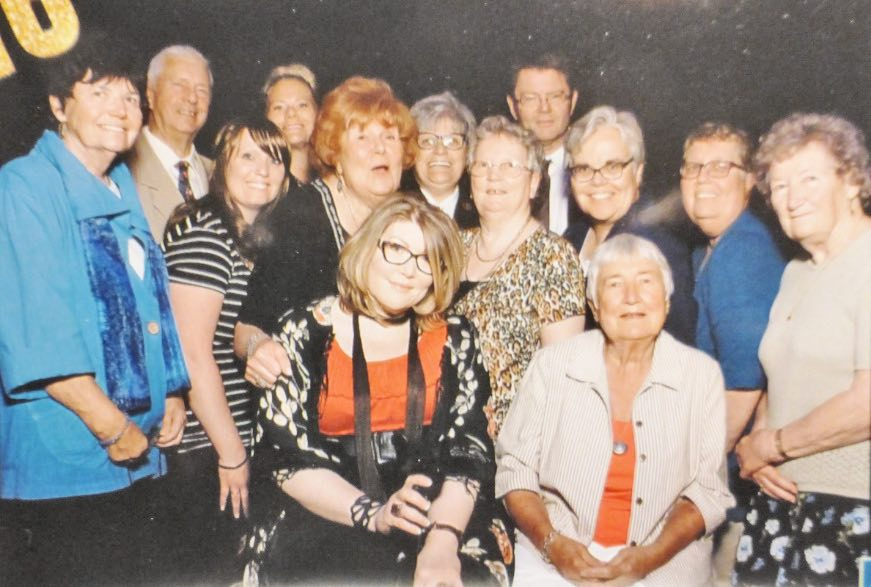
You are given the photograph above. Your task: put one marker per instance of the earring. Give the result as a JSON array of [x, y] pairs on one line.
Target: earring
[[61, 129]]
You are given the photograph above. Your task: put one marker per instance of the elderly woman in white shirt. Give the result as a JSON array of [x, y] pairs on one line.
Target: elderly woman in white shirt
[[611, 460]]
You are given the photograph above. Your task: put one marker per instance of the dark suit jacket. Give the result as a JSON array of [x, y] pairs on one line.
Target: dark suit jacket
[[681, 320], [465, 214], [157, 191]]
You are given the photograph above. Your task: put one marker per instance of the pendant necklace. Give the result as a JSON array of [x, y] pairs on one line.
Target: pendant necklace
[[620, 447]]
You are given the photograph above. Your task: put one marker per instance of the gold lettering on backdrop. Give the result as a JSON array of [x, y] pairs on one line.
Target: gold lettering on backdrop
[[33, 38], [7, 68]]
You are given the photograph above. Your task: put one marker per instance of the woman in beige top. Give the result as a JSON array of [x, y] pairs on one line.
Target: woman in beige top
[[809, 448], [611, 461]]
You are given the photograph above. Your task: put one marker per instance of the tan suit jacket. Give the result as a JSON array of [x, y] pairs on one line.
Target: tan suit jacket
[[157, 191]]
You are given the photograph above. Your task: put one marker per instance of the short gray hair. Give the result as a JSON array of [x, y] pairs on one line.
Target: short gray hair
[[296, 71], [625, 246], [501, 126], [158, 62], [624, 121], [428, 111]]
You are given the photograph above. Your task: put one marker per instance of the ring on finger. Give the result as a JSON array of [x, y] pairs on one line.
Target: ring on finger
[[395, 509]]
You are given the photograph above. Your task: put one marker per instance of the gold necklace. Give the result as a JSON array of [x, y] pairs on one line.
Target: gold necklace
[[505, 250]]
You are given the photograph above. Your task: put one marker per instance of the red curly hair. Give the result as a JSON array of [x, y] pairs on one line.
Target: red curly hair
[[357, 102]]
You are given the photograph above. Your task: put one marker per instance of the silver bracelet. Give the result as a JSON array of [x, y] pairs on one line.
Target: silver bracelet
[[114, 440], [252, 343], [548, 542]]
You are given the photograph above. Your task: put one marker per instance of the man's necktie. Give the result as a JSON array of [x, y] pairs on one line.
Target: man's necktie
[[184, 181], [543, 214]]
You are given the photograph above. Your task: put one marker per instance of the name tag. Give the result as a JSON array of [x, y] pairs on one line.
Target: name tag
[[136, 257]]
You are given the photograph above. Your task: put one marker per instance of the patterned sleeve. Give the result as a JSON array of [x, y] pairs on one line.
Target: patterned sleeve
[[466, 448], [288, 439], [197, 254], [558, 290]]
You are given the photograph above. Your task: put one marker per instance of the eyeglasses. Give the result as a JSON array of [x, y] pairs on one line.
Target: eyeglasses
[[610, 170], [536, 100], [429, 141], [397, 254], [715, 169], [506, 169]]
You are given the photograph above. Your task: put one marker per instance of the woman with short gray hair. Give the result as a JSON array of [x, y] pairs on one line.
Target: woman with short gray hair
[[808, 451], [632, 425], [446, 134], [605, 155]]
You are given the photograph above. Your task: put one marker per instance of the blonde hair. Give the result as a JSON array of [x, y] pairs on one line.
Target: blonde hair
[[296, 71], [443, 248]]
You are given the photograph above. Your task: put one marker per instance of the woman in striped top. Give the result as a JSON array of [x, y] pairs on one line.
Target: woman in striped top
[[210, 246]]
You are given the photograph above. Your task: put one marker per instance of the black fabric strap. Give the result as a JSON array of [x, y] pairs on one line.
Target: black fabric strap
[[370, 480], [416, 389]]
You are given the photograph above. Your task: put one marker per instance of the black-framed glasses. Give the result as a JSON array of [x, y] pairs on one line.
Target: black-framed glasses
[[716, 169], [610, 170], [506, 169], [536, 100], [452, 142], [397, 254]]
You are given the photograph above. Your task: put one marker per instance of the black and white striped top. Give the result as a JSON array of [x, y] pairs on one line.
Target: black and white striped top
[[201, 252]]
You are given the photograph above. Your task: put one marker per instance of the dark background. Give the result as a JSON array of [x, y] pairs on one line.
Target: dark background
[[675, 63]]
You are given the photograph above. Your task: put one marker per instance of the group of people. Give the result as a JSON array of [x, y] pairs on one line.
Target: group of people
[[379, 344]]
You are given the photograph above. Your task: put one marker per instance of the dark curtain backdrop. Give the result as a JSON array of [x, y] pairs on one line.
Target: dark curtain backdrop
[[675, 63]]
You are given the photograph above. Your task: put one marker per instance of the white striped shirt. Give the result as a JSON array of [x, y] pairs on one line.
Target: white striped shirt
[[200, 252], [557, 442]]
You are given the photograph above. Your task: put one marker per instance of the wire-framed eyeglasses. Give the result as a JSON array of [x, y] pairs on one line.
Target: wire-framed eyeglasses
[[452, 142], [715, 169]]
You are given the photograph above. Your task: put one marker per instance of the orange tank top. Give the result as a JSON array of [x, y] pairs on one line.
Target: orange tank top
[[612, 526], [388, 385]]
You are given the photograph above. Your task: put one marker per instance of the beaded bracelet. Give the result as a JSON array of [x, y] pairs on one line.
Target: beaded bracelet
[[545, 546], [230, 468], [252, 343], [363, 510], [114, 440]]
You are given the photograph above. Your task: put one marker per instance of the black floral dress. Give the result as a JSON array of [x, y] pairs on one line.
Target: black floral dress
[[289, 544]]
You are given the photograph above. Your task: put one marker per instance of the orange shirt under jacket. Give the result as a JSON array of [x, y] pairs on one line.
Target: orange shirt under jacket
[[388, 384], [612, 525]]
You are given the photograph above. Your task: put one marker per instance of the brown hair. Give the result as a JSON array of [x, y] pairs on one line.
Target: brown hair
[[721, 131], [250, 238], [359, 101], [443, 247], [546, 61]]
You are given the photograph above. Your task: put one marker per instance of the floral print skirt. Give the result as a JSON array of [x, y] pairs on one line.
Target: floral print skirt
[[816, 541]]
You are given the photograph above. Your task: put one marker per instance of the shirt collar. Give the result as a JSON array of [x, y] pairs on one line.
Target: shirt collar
[[557, 160], [165, 154], [665, 367], [88, 196], [448, 205]]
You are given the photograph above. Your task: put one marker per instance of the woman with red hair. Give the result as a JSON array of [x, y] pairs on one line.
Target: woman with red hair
[[364, 138]]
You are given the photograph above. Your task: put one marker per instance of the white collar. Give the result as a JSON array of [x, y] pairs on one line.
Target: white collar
[[164, 152], [447, 205]]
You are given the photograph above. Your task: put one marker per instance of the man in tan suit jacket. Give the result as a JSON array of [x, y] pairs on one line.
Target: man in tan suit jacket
[[179, 92]]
